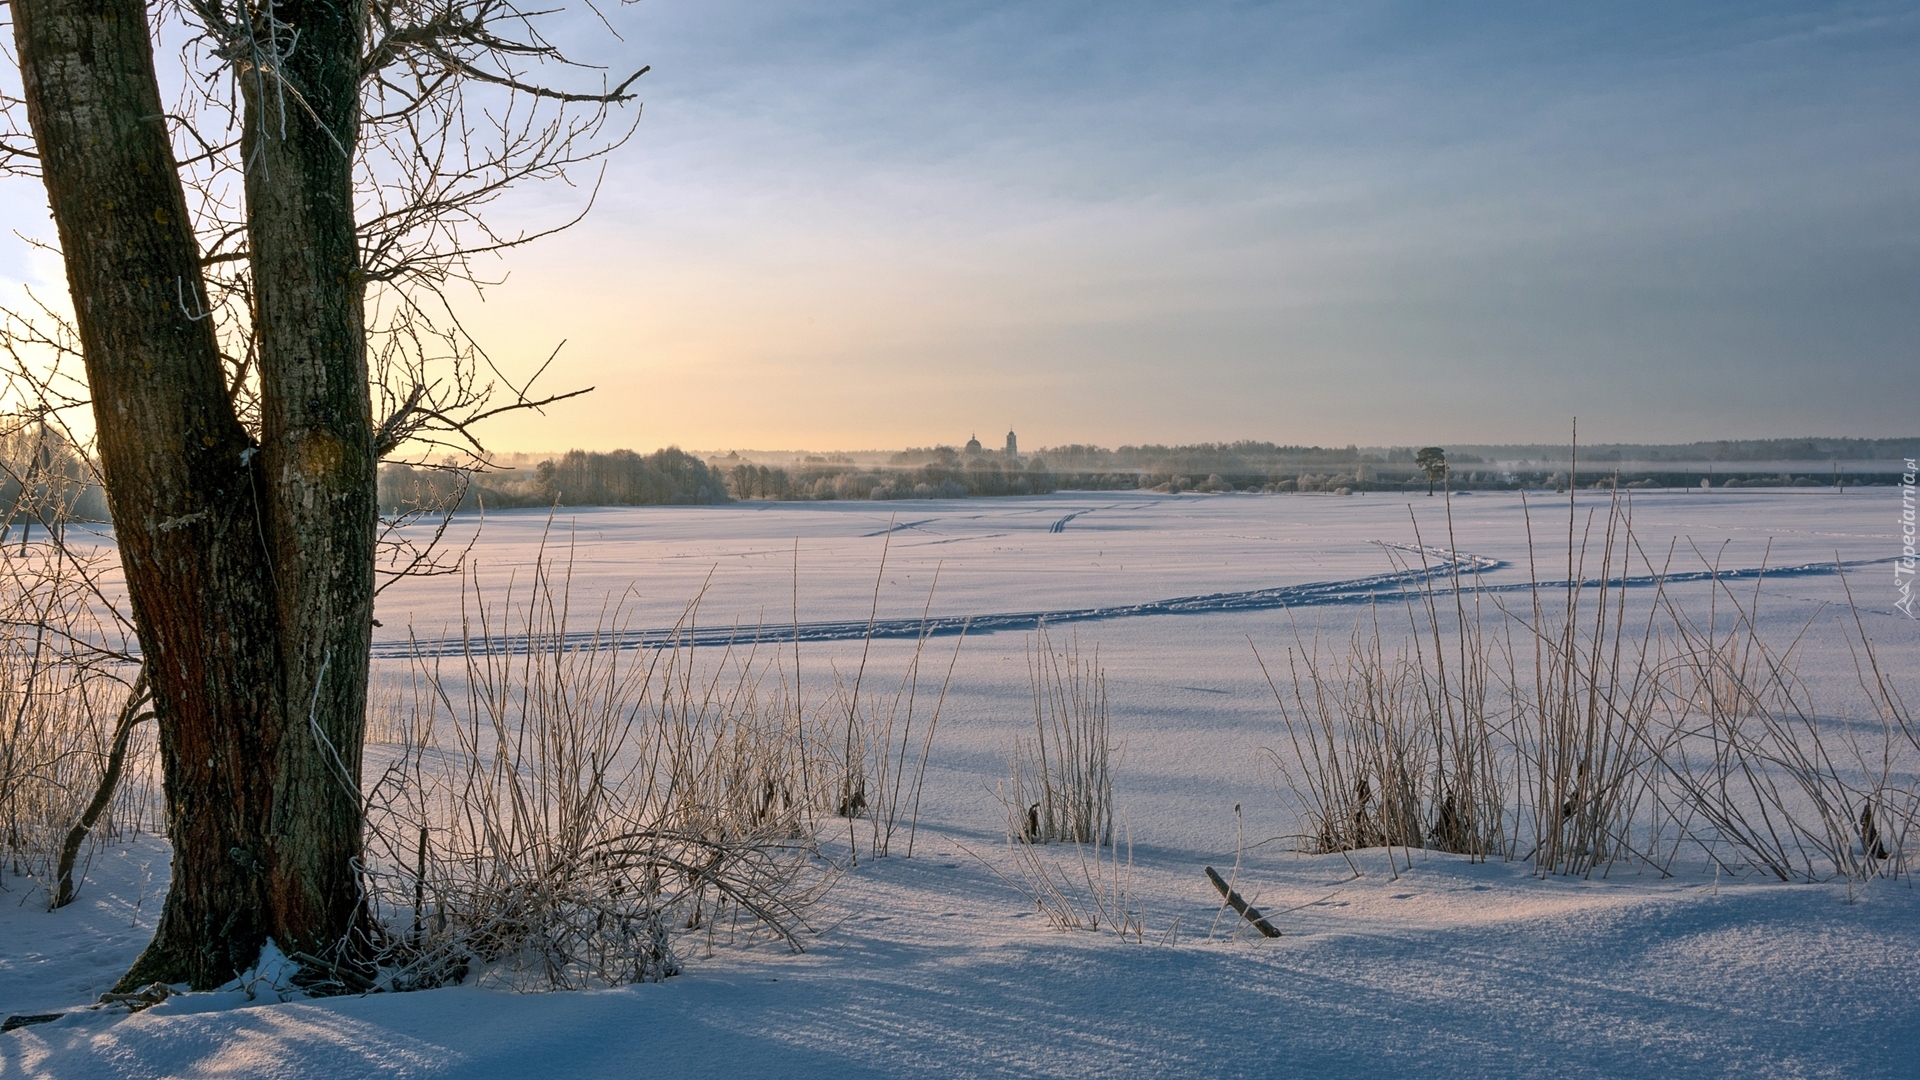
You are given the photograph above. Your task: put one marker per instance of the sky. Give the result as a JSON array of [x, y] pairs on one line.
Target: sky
[[852, 224]]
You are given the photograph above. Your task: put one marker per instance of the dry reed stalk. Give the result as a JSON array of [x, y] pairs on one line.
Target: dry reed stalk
[[896, 795], [1465, 797], [1583, 714], [870, 755]]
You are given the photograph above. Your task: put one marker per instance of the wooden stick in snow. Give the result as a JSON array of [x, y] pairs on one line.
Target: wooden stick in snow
[[1246, 910]]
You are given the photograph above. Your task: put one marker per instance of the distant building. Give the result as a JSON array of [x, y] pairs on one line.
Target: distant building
[[973, 444], [1013, 447]]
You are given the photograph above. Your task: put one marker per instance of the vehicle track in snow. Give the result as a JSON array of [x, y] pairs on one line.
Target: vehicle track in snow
[[1060, 526], [1388, 586]]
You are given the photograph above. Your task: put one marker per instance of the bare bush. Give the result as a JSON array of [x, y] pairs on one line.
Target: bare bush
[[560, 812], [64, 680], [1784, 785]]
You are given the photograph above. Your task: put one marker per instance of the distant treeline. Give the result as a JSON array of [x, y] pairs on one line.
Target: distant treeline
[[623, 478], [44, 479], [669, 477], [674, 477], [1727, 450], [981, 475], [1244, 458]]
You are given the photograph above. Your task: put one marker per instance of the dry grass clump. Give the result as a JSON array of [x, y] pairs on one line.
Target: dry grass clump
[[1604, 721], [1583, 705], [69, 709], [56, 736], [1061, 782], [1090, 890], [1398, 747], [1060, 791], [1362, 751]]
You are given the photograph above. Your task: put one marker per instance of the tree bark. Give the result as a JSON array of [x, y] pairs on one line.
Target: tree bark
[[249, 567], [317, 449]]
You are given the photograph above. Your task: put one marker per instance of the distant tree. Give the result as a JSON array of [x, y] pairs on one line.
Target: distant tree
[[1433, 461], [624, 478]]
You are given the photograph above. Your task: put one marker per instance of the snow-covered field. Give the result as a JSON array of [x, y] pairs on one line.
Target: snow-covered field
[[935, 966]]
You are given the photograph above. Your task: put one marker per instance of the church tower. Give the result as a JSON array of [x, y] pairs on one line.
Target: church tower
[[1013, 447]]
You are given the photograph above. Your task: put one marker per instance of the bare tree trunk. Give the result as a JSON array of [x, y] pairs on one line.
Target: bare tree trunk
[[249, 569], [320, 496]]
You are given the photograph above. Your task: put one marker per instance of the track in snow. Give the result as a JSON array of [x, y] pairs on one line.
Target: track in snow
[[1061, 525], [1362, 590], [901, 526]]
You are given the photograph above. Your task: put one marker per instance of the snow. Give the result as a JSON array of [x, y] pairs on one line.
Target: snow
[[935, 966]]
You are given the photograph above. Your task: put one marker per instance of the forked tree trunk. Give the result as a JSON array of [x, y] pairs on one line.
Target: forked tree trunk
[[249, 567], [317, 437]]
